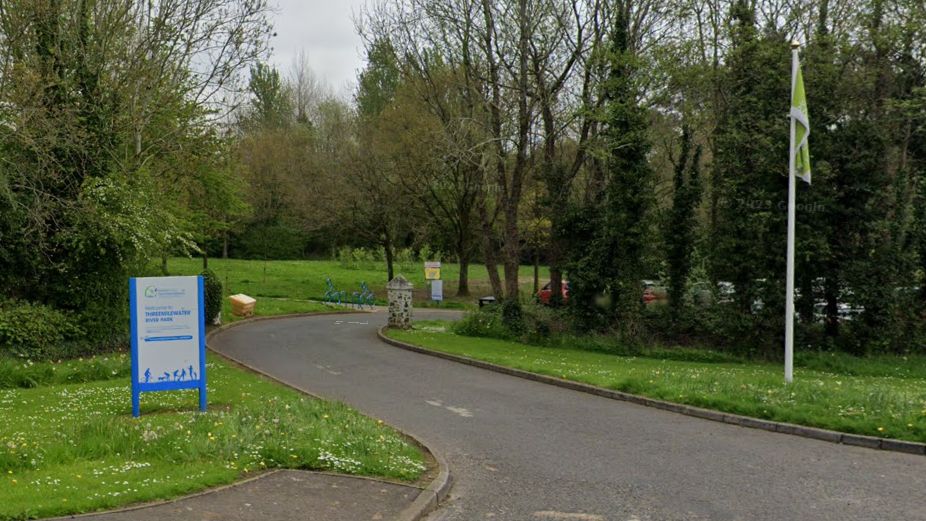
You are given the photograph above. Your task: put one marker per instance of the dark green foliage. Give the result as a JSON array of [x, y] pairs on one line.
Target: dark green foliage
[[680, 232], [214, 294], [529, 322], [269, 241], [512, 316], [750, 177], [103, 148], [613, 262], [34, 331]]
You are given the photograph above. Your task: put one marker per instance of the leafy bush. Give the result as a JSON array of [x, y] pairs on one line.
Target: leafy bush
[[427, 253], [543, 322], [548, 327], [213, 287], [486, 322], [359, 258], [512, 316], [405, 259], [35, 331]]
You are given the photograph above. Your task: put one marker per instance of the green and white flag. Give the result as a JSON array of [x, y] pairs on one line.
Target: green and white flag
[[801, 126]]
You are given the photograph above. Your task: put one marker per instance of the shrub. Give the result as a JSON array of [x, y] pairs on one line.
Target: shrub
[[512, 316], [543, 322], [486, 322], [35, 331], [213, 287], [405, 259]]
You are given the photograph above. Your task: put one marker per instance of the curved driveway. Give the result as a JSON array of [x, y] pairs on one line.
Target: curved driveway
[[522, 451]]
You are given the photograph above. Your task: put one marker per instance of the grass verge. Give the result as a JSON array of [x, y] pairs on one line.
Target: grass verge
[[305, 279], [885, 405], [68, 448]]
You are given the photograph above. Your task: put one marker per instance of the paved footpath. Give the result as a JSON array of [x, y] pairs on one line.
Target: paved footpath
[[286, 495], [524, 451]]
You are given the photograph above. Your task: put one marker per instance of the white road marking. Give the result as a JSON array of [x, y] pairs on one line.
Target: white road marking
[[459, 411], [462, 411], [328, 369], [550, 514], [359, 323]]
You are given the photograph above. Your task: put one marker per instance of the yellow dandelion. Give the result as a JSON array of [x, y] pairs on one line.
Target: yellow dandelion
[[880, 429]]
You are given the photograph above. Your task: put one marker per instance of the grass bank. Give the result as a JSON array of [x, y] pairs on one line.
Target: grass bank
[[302, 281], [883, 399], [68, 444]]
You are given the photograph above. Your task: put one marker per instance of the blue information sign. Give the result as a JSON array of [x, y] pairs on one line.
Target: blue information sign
[[168, 330]]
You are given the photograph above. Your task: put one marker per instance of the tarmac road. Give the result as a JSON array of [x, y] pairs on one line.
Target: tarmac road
[[522, 451]]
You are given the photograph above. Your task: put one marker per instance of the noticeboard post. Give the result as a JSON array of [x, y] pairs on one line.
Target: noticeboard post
[[168, 329]]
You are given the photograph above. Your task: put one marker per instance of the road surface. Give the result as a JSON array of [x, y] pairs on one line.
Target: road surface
[[524, 451]]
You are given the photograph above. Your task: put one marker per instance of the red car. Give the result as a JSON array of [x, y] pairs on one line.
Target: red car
[[649, 293], [544, 294]]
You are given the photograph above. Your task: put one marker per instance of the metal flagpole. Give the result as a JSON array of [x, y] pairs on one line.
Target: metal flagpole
[[792, 186]]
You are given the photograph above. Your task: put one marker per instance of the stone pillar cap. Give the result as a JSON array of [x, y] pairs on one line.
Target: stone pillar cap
[[399, 283]]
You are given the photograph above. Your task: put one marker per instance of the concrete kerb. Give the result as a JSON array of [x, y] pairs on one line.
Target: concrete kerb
[[430, 496], [909, 447]]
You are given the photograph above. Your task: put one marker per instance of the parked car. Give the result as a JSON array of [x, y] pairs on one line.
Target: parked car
[[546, 292], [652, 292]]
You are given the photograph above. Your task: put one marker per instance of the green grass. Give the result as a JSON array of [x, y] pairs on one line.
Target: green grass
[[74, 447], [885, 399], [305, 280], [18, 373]]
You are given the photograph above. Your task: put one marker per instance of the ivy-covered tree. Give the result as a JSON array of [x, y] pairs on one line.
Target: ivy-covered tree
[[613, 263], [750, 174], [681, 226]]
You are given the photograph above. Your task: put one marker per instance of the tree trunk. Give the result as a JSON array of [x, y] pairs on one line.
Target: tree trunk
[[205, 260], [225, 245], [164, 265], [536, 270], [488, 251], [387, 246], [512, 253], [463, 285]]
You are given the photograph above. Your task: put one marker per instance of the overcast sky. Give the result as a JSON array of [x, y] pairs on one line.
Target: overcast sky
[[324, 29]]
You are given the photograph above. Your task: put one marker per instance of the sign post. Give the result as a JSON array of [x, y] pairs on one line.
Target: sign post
[[168, 336], [432, 275], [437, 290]]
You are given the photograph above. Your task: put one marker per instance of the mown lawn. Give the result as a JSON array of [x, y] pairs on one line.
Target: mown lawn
[[305, 280], [68, 447], [883, 399]]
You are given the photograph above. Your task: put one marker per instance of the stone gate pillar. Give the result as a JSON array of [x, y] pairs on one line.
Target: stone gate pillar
[[399, 293]]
